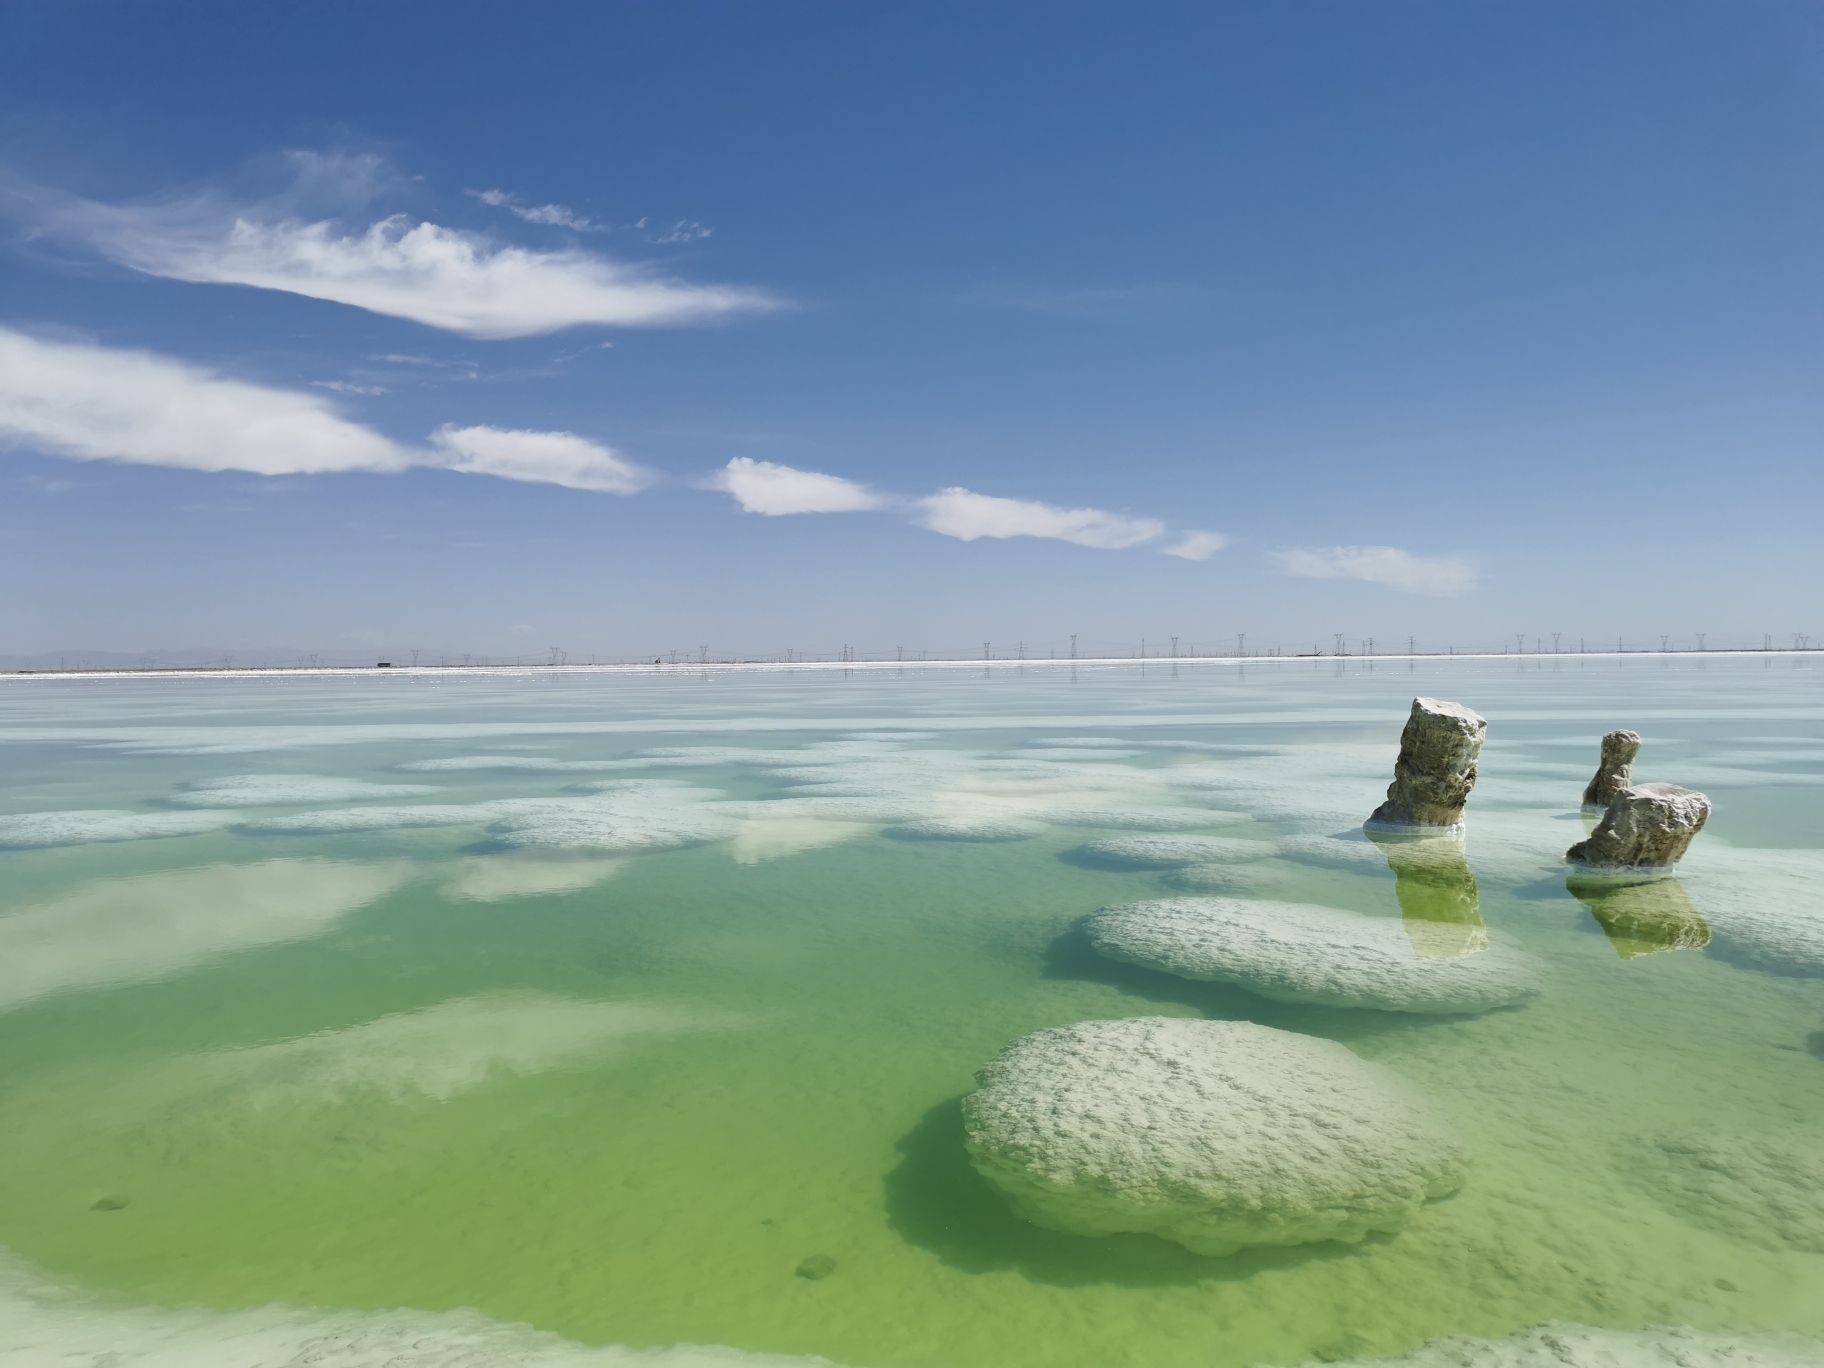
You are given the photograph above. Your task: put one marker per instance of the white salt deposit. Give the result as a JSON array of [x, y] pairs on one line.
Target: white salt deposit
[[1215, 1134]]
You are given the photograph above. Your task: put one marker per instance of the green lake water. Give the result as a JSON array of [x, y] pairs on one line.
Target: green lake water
[[627, 1065]]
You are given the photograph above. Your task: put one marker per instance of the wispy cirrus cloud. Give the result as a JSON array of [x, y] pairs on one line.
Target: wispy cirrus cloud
[[778, 490], [1436, 576], [968, 516], [395, 265], [549, 215], [85, 402]]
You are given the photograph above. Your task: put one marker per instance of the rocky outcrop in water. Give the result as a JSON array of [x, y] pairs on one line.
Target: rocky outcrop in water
[[1614, 772], [1436, 768], [1647, 826]]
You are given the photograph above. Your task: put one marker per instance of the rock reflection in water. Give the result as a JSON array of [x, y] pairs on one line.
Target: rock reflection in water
[[1642, 918], [1439, 902]]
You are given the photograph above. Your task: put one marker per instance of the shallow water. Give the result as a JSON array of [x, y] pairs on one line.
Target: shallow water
[[628, 1063]]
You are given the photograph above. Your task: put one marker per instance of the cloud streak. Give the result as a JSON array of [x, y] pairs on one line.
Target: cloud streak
[[778, 490], [1195, 546], [968, 516], [85, 402], [90, 403], [1434, 576], [559, 458]]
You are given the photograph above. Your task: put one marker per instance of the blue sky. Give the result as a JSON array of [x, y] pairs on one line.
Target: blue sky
[[350, 328]]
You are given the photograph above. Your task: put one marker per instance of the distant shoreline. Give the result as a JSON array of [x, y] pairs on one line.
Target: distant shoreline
[[872, 666]]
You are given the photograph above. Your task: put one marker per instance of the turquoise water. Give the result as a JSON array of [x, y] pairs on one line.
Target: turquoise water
[[619, 1006]]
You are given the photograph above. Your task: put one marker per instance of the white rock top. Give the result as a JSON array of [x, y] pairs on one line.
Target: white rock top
[[1214, 1134], [1299, 952]]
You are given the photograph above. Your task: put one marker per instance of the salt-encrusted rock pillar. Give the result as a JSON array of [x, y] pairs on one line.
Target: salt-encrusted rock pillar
[[1436, 769], [1647, 826], [1615, 771]]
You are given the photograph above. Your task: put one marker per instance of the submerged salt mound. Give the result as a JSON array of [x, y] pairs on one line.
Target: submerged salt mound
[[1765, 1190], [1583, 1346], [1165, 852], [274, 790], [645, 817], [1151, 819], [1299, 952], [38, 830], [340, 821], [536, 764], [42, 1322], [1217, 1135], [961, 827]]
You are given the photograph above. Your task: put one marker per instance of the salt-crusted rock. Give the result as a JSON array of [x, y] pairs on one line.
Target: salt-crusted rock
[[1583, 1346], [1641, 918], [1165, 852], [1298, 952], [1647, 826], [1214, 1134], [1436, 768], [1615, 770]]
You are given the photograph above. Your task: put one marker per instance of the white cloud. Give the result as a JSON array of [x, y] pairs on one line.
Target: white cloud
[[552, 215], [91, 403], [1439, 576], [966, 515], [442, 277], [348, 387], [1195, 546], [684, 230], [763, 487], [559, 458]]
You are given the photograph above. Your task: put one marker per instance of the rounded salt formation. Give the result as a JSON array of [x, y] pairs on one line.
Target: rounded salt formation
[[1166, 852], [1216, 1135], [1299, 952], [982, 827]]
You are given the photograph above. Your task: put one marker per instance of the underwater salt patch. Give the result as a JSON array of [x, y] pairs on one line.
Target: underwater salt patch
[[496, 878], [1582, 1346], [450, 1048], [272, 790], [151, 926], [1105, 1127], [1762, 1189], [1300, 952], [94, 826], [44, 1323]]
